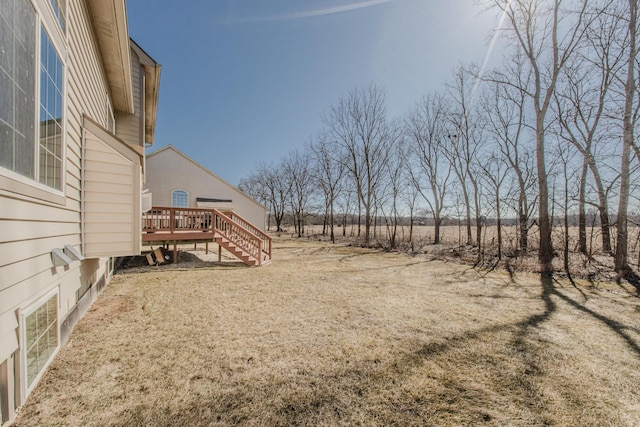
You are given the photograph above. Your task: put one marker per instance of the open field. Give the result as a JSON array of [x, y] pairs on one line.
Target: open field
[[334, 335], [454, 235]]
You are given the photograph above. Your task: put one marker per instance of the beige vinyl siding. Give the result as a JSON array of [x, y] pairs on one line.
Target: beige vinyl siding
[[8, 337], [129, 127], [111, 199], [33, 228], [169, 170], [88, 84], [22, 260], [34, 220]]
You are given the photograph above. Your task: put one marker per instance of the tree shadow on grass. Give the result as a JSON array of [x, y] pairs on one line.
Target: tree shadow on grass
[[549, 290], [619, 328], [576, 287], [633, 278], [526, 351]]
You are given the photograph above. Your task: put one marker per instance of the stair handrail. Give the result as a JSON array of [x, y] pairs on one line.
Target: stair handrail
[[248, 241], [266, 239]]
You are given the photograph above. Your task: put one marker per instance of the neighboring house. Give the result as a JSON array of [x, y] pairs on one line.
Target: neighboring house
[[176, 180], [78, 105]]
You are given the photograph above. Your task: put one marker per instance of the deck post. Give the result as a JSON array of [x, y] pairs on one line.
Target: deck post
[[219, 253], [206, 248], [175, 252]]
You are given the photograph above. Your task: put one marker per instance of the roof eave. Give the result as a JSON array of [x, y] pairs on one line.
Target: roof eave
[[109, 20], [151, 91], [152, 86]]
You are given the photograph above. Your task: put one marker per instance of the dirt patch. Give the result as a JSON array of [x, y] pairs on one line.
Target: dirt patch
[[111, 306], [334, 335]]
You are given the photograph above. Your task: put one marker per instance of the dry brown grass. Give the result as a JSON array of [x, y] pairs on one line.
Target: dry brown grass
[[332, 335]]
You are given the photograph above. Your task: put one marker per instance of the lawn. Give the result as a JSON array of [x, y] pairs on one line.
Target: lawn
[[335, 335]]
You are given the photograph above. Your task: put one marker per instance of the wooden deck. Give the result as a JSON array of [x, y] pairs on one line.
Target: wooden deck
[[230, 231]]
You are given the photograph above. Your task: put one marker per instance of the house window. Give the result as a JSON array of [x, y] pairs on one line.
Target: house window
[[19, 109], [18, 87], [50, 114], [179, 199], [41, 338], [59, 8]]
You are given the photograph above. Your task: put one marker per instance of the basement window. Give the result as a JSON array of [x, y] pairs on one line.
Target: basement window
[[41, 338]]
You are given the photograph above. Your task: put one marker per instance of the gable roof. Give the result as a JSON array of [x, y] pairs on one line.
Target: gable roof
[[171, 148]]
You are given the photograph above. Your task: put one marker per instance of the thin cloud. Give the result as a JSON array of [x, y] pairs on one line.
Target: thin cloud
[[315, 13]]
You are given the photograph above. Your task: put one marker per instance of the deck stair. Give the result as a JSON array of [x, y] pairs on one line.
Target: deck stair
[[230, 231]]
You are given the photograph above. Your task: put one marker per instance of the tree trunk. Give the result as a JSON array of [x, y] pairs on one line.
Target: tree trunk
[[621, 257], [499, 224], [523, 223], [566, 218], [467, 202], [545, 254], [436, 229], [582, 216], [331, 223]]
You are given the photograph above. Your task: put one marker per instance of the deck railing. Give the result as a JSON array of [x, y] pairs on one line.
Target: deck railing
[[168, 221], [160, 219]]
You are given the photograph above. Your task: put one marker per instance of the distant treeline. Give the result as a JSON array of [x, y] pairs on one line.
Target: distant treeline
[[546, 141]]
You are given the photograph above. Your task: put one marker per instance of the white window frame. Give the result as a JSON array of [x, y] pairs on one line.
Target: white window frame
[[182, 191], [63, 14], [14, 182], [25, 388]]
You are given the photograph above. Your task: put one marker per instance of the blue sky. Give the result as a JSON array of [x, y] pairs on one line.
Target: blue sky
[[246, 81]]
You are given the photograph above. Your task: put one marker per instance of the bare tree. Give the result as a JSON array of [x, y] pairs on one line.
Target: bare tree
[[629, 120], [506, 117], [328, 173], [495, 172], [359, 124], [268, 185], [430, 173], [581, 108], [389, 198], [564, 156], [296, 170], [410, 196], [466, 142], [547, 32]]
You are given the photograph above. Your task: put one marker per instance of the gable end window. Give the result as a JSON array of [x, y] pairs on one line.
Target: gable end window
[[179, 199], [34, 87]]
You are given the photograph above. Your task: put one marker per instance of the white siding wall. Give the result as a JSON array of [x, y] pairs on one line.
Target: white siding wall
[[168, 170]]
